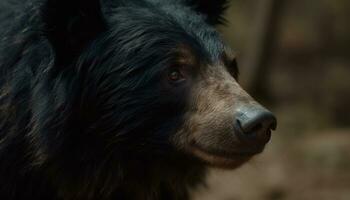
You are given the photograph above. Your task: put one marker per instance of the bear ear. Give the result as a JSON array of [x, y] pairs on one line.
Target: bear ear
[[213, 9], [70, 25]]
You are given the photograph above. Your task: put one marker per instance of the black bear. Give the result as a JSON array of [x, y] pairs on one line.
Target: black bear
[[119, 99]]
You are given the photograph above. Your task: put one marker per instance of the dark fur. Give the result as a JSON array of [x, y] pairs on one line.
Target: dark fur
[[83, 113]]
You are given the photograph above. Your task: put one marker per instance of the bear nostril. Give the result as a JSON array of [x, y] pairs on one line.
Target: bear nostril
[[255, 124]]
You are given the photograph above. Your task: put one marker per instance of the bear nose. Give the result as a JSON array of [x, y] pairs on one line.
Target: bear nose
[[255, 124]]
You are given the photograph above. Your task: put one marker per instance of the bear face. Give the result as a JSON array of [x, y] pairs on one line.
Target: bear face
[[175, 83]]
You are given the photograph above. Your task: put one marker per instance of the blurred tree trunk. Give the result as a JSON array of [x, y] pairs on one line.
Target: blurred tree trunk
[[256, 65]]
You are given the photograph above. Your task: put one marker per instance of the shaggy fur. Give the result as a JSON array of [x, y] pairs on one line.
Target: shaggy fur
[[84, 113]]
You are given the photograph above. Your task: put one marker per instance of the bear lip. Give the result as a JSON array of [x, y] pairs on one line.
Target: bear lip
[[227, 160]]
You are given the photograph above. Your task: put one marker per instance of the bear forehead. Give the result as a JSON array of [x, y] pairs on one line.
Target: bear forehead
[[168, 26]]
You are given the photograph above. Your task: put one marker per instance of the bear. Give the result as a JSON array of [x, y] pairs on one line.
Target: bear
[[120, 99]]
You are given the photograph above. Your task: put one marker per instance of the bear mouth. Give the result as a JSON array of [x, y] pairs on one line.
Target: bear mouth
[[220, 159]]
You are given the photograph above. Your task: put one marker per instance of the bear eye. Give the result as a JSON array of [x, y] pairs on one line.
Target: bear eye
[[175, 76]]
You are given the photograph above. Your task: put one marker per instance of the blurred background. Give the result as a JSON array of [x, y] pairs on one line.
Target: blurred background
[[294, 57]]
